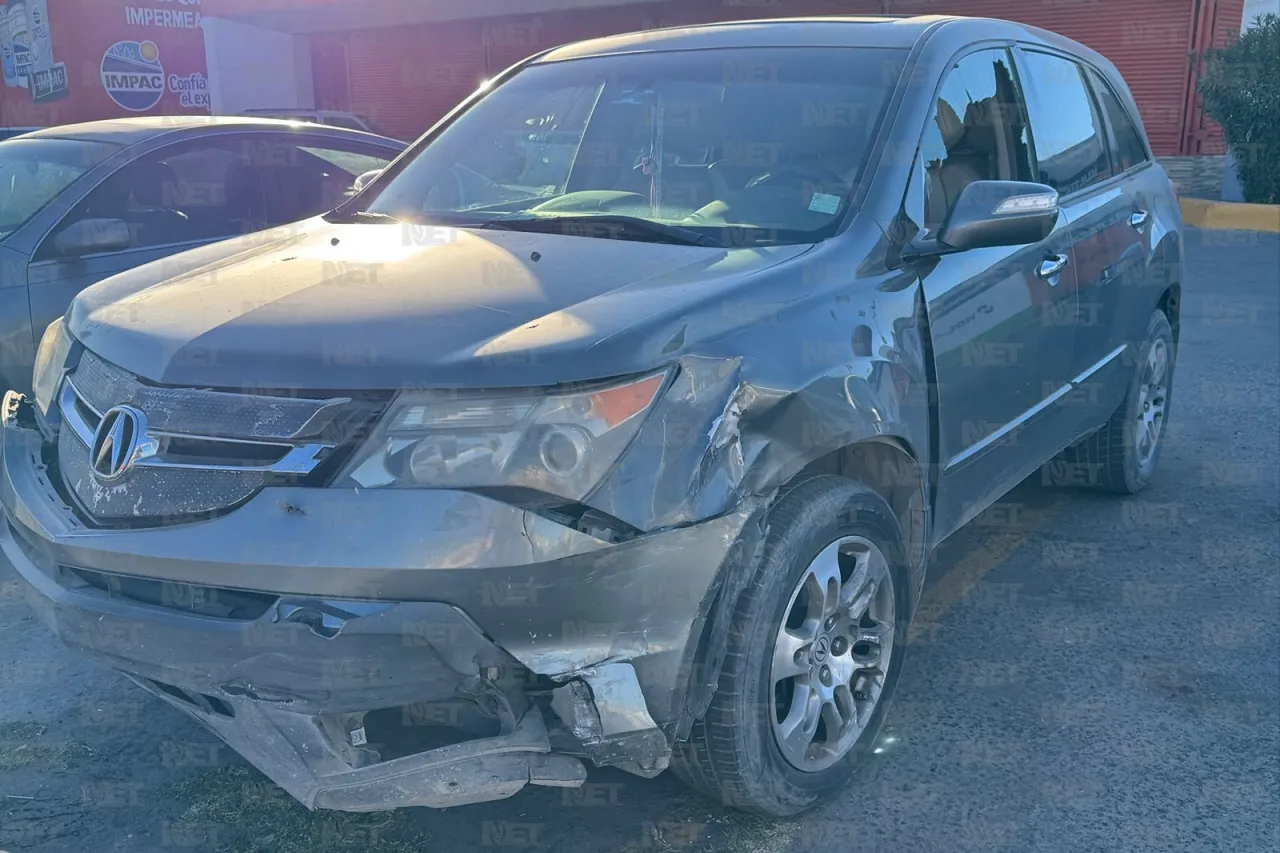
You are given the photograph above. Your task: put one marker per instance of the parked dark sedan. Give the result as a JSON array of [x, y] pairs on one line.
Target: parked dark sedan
[[614, 424], [82, 202]]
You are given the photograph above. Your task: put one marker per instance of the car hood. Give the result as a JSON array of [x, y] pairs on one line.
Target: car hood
[[380, 306]]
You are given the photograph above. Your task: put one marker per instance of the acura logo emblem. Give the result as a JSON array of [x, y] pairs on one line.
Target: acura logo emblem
[[121, 440]]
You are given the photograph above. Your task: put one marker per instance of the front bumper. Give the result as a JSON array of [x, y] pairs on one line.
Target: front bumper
[[282, 624]]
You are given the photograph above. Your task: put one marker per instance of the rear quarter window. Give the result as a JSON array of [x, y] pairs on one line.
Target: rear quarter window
[[1126, 140]]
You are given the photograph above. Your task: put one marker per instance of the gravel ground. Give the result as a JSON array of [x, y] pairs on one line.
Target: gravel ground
[[1087, 673]]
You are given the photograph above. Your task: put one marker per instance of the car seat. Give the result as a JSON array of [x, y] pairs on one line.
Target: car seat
[[965, 162], [155, 210]]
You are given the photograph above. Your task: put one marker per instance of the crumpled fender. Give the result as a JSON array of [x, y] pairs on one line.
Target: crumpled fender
[[840, 364], [840, 360]]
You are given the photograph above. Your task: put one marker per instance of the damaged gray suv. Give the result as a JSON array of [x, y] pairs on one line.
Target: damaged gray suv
[[615, 422]]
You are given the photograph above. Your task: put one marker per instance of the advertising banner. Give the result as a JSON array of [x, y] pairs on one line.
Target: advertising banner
[[47, 78], [67, 61]]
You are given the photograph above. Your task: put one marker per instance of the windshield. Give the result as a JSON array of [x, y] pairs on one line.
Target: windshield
[[34, 171], [755, 147]]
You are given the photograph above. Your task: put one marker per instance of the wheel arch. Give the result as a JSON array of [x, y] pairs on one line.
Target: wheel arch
[[887, 465]]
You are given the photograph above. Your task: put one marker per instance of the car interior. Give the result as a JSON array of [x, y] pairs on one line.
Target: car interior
[[697, 154], [987, 144], [723, 168]]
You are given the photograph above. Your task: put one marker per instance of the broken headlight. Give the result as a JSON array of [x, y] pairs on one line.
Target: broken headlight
[[51, 359], [560, 444]]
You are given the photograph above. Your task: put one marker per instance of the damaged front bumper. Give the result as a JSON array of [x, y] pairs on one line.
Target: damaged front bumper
[[331, 636]]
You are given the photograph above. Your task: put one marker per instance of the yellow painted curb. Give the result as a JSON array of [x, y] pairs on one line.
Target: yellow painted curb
[[1225, 215]]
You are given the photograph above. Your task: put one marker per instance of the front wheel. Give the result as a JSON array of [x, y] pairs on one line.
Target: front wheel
[[814, 655]]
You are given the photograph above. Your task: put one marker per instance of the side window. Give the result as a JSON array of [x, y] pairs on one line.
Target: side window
[[274, 179], [171, 196], [224, 186], [348, 164], [978, 132], [1065, 125], [1127, 148]]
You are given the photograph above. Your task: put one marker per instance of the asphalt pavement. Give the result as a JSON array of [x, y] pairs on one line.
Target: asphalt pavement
[[1088, 673]]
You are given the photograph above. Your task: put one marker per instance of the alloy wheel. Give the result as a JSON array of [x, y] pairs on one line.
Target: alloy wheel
[[831, 653], [1153, 400]]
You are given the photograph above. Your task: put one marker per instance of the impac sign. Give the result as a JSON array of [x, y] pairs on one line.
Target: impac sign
[[132, 75]]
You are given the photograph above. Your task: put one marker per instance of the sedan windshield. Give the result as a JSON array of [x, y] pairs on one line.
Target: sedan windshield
[[742, 146], [34, 171]]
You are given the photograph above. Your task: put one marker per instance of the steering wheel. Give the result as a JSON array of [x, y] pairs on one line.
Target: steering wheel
[[807, 171], [443, 196]]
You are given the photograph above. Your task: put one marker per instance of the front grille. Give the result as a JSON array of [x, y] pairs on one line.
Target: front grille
[[151, 495], [198, 412], [200, 452]]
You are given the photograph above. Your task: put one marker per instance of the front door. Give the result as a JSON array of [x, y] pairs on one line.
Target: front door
[[1002, 355]]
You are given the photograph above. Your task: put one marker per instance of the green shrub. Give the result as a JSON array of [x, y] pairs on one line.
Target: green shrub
[[1241, 91]]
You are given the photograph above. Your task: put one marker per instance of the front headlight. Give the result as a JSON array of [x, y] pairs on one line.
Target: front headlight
[[51, 358], [559, 444]]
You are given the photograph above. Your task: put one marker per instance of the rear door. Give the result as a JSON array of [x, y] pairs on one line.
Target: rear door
[[1108, 224], [196, 192], [1126, 293], [1000, 351]]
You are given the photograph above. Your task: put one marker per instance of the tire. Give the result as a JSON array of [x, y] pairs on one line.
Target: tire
[[1115, 455], [734, 755]]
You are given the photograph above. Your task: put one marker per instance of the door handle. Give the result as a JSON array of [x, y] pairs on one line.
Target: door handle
[[1140, 219], [1051, 266]]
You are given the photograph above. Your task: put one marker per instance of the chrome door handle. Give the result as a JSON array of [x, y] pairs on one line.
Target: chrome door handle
[[1140, 219], [1052, 266]]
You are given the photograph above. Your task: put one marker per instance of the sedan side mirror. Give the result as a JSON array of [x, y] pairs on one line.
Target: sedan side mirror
[[363, 181], [92, 236], [996, 213]]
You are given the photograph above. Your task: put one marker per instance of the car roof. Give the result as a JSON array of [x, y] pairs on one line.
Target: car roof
[[853, 31], [130, 131], [885, 31]]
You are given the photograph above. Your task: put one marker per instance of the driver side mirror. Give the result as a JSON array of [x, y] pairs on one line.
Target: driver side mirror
[[995, 213], [363, 180], [92, 236]]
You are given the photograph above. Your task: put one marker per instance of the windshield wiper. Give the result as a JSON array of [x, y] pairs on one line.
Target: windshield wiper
[[609, 226]]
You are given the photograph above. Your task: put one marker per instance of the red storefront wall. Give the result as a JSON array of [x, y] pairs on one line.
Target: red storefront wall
[[406, 78], [1150, 42], [81, 32]]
